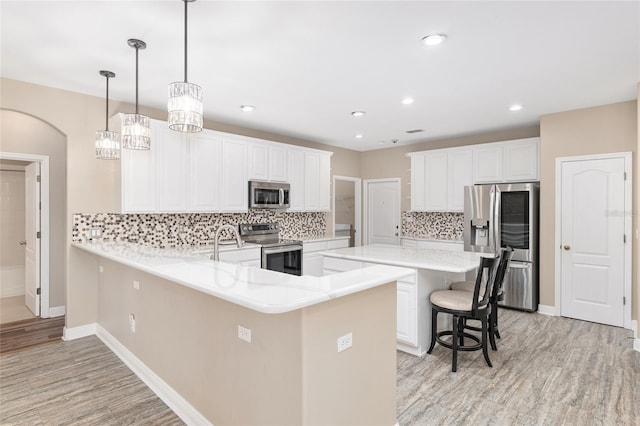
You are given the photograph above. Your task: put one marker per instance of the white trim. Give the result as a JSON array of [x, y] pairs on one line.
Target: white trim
[[166, 393], [357, 183], [44, 223], [634, 327], [78, 332], [628, 187], [56, 311], [547, 310], [365, 199]]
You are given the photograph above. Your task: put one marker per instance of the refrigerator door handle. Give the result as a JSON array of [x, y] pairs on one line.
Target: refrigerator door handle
[[519, 265], [495, 214]]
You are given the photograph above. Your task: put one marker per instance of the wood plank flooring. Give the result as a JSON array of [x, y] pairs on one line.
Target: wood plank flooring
[[30, 332], [547, 371]]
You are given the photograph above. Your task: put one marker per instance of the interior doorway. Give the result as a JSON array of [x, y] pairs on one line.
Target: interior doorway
[[593, 236], [347, 202], [24, 243], [382, 211]]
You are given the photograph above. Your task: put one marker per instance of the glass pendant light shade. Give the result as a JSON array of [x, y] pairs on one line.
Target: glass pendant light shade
[[136, 131], [185, 107], [107, 145], [107, 142], [136, 128]]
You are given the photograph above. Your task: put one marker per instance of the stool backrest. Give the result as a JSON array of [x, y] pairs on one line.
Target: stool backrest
[[486, 272], [498, 278]]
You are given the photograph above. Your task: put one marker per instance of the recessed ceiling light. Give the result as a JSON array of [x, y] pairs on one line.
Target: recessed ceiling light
[[247, 108], [358, 113], [434, 39], [359, 136], [407, 101], [516, 107]]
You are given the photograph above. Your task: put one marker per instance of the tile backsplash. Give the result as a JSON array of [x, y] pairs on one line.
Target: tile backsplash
[[178, 229], [432, 225]]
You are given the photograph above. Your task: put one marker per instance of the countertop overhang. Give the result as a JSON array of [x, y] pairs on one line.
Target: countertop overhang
[[258, 289]]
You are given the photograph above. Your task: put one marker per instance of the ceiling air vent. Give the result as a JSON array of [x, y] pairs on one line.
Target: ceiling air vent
[[415, 131]]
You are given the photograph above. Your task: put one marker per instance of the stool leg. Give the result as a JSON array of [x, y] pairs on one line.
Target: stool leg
[[454, 344], [463, 324], [494, 312], [434, 329], [485, 352], [492, 332]]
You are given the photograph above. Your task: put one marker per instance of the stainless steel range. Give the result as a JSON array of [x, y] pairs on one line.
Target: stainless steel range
[[277, 254]]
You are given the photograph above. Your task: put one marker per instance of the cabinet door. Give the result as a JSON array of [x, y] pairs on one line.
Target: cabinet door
[[521, 161], [487, 164], [138, 176], [278, 167], [312, 264], [406, 313], [417, 182], [258, 161], [312, 181], [234, 189], [324, 183], [460, 165], [435, 177], [172, 159], [204, 172], [296, 180]]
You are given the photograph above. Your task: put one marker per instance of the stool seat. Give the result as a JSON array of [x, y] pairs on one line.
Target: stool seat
[[464, 286], [454, 300]]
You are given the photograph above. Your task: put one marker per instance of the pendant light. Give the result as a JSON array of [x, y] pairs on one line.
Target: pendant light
[[107, 142], [136, 131], [185, 99]]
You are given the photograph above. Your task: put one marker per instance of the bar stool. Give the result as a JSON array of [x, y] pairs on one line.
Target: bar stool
[[464, 305], [497, 294]]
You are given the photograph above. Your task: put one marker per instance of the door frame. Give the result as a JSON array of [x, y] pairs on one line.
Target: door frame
[[44, 223], [357, 183], [365, 205], [628, 218]]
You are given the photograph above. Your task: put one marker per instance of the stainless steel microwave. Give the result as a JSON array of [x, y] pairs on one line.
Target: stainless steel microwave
[[268, 195]]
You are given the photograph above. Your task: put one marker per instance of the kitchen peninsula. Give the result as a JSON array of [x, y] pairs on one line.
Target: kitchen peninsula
[[432, 269], [226, 343]]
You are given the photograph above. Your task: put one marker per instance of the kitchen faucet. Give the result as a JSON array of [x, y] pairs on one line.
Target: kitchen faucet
[[216, 239]]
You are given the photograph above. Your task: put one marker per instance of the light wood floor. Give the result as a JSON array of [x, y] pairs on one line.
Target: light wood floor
[[547, 370], [13, 309]]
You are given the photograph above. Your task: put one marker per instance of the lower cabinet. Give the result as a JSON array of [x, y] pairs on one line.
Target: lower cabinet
[[312, 260]]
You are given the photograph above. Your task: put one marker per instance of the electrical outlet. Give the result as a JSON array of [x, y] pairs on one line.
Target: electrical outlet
[[136, 285], [244, 333], [345, 342], [96, 232], [132, 322], [181, 229], [100, 268]]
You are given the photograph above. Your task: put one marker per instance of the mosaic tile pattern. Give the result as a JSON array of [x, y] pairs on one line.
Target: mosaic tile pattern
[[180, 229], [433, 225]]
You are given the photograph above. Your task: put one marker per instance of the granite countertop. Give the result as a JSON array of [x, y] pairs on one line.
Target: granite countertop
[[258, 289], [410, 257]]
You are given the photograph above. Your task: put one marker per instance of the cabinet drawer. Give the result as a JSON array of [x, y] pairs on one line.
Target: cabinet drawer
[[341, 265]]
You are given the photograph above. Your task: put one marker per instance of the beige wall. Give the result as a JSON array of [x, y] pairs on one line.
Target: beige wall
[[25, 134], [12, 214], [392, 162], [602, 129]]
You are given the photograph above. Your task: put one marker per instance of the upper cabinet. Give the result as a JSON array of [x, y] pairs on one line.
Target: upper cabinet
[[209, 172], [438, 176], [510, 161]]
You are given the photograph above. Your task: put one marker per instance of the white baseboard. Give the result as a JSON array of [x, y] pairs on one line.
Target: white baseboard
[[166, 393], [636, 344], [56, 311], [547, 310], [79, 332]]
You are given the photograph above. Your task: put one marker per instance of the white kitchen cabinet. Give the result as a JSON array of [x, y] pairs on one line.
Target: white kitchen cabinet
[[438, 178], [138, 177], [172, 169], [312, 260], [312, 181], [407, 313], [233, 179], [296, 179], [204, 171], [509, 161], [267, 161]]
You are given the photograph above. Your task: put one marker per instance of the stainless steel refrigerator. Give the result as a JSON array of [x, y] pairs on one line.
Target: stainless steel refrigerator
[[502, 215]]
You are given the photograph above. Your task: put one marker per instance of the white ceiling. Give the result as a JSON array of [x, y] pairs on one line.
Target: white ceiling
[[307, 65]]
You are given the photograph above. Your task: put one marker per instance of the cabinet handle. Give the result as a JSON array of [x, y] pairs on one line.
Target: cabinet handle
[[567, 247]]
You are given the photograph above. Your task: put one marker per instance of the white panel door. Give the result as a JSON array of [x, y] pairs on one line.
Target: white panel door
[[32, 227], [296, 180], [592, 240], [460, 174], [234, 175], [383, 212], [204, 172], [435, 181]]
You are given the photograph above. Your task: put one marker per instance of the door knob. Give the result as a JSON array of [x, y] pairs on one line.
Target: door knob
[[567, 247], [23, 243]]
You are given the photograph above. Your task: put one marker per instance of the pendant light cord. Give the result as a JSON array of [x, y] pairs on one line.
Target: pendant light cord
[[137, 79], [185, 41], [106, 115]]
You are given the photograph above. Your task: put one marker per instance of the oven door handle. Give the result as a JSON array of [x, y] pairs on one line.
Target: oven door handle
[[283, 249]]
